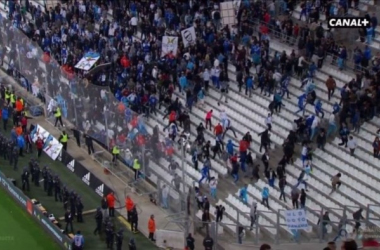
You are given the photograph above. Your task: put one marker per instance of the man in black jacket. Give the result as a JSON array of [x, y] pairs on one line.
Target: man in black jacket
[[99, 220], [134, 219], [69, 221], [190, 242], [208, 242], [282, 185], [357, 217], [89, 144]]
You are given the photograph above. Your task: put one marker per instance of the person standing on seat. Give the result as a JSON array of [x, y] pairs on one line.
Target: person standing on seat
[[58, 117], [78, 241], [63, 139], [243, 194], [265, 197], [295, 195], [330, 85], [344, 132], [357, 217], [253, 214], [335, 182], [351, 144], [208, 119]]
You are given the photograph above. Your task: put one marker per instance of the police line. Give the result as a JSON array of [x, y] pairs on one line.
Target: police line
[[54, 150], [27, 204]]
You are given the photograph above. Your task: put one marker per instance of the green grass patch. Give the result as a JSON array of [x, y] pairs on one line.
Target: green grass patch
[[18, 230], [90, 200]]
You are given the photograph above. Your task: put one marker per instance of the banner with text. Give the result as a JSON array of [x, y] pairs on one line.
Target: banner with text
[[188, 36], [87, 61], [87, 177], [169, 45], [27, 204]]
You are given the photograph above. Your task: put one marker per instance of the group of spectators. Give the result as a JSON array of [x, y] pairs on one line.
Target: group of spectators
[[143, 81]]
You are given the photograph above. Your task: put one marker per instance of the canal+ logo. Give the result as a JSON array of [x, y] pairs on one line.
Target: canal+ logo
[[348, 22]]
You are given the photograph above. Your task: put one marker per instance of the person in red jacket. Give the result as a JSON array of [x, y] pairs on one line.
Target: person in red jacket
[[24, 123], [39, 146], [111, 204], [172, 120]]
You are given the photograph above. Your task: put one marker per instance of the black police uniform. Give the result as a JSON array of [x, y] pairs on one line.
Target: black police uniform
[[50, 185], [119, 240], [208, 243], [57, 189], [99, 219], [79, 207], [45, 176], [13, 159], [109, 236], [37, 175], [25, 180]]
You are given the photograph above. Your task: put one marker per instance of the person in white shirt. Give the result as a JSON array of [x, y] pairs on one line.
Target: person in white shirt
[[165, 194], [351, 144], [268, 121], [206, 78], [215, 74], [133, 22], [213, 184], [301, 61], [314, 127]]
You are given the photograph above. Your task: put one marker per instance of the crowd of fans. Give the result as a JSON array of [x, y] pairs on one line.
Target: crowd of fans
[[144, 81]]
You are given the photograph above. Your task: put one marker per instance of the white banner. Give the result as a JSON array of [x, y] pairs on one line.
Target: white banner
[[188, 36], [169, 44], [87, 61], [296, 219], [39, 131], [52, 147], [227, 13]]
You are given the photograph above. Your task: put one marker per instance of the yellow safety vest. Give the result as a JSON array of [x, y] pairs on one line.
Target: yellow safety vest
[[58, 112], [136, 164], [13, 98], [22, 101], [7, 95], [115, 150], [64, 138]]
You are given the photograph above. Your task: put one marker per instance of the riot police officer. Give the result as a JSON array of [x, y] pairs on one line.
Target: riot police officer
[[109, 235], [79, 207], [50, 185], [98, 219], [65, 197], [13, 159], [119, 239], [32, 163], [45, 176], [36, 174], [57, 188], [25, 179], [72, 199]]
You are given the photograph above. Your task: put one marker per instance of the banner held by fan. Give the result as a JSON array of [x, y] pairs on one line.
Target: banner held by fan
[[189, 37], [169, 45]]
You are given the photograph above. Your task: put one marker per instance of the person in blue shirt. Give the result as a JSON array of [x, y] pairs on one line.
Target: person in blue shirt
[[205, 171], [336, 108], [230, 147], [265, 197], [201, 97], [5, 117], [318, 108], [344, 132], [243, 194], [153, 104], [14, 135], [301, 104], [312, 69], [370, 32], [182, 82], [21, 144], [284, 87], [249, 86]]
